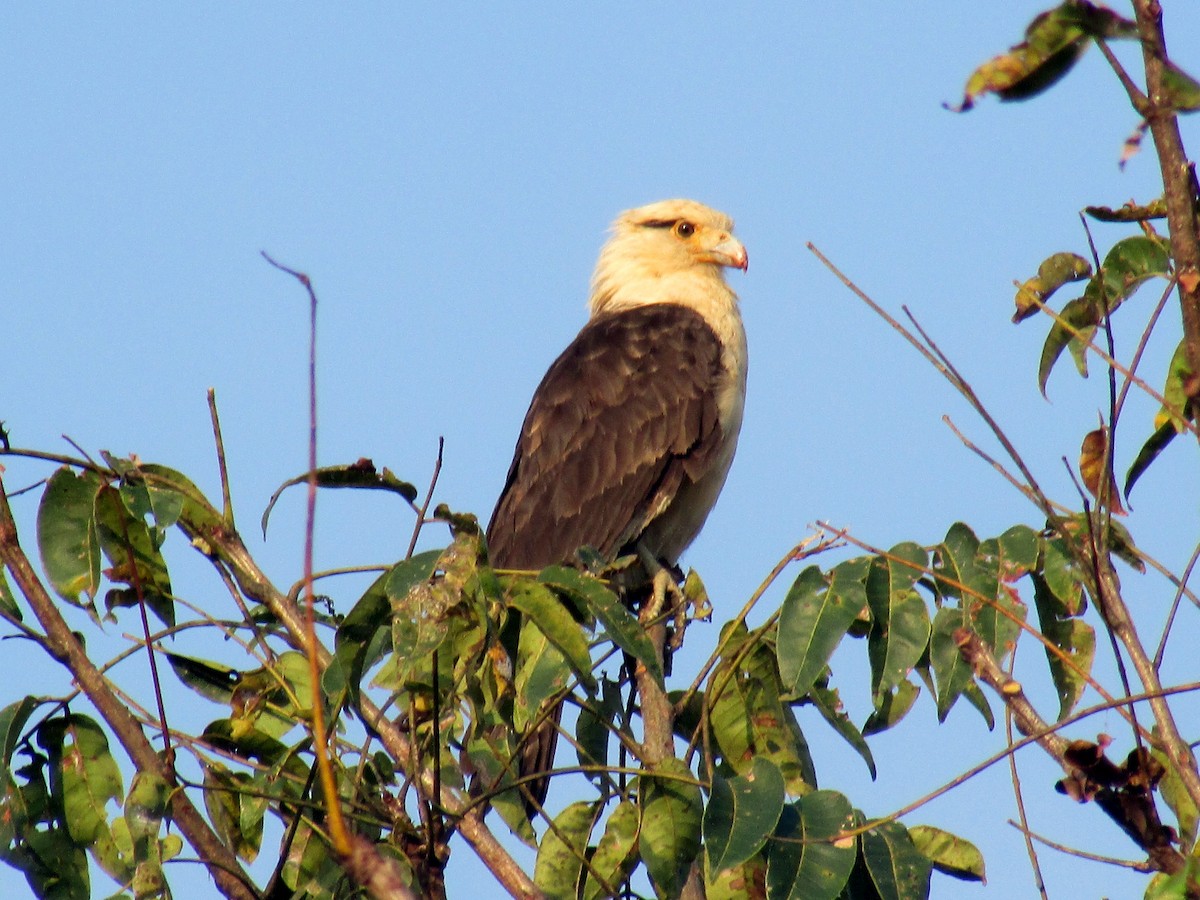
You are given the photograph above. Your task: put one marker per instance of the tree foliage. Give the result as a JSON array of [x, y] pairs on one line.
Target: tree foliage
[[389, 721]]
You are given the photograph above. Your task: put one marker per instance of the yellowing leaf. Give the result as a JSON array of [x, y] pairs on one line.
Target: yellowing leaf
[[1054, 41], [1053, 273], [1092, 470], [949, 853]]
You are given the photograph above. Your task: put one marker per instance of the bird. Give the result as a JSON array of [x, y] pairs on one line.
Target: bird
[[630, 435]]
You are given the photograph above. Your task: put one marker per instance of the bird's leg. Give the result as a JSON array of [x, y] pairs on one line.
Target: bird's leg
[[664, 580]]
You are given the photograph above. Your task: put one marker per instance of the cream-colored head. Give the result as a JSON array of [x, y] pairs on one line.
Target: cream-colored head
[[673, 251]]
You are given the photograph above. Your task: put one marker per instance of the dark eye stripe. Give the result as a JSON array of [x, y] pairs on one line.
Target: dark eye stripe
[[659, 223]]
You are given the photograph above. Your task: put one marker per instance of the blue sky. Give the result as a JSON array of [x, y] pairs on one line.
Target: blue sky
[[446, 176]]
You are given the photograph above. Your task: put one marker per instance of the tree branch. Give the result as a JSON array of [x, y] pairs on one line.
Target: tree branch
[[1179, 186], [228, 874], [1129, 802], [225, 547]]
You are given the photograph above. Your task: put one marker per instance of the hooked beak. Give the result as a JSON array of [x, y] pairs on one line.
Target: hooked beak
[[727, 251]]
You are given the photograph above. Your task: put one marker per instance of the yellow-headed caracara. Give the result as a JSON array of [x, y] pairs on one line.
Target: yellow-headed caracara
[[631, 432]]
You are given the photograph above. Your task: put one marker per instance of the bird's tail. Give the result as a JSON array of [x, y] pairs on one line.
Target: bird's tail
[[537, 758]]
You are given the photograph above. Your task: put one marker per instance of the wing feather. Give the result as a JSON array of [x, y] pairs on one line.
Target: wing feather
[[623, 419]]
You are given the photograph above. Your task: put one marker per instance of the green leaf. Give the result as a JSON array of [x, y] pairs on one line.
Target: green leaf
[[66, 534], [1017, 550], [829, 705], [741, 814], [421, 618], [977, 573], [1174, 793], [804, 862], [54, 866], [197, 517], [149, 498], [542, 675], [12, 723], [490, 755], [130, 546], [669, 840], [1172, 887], [365, 635], [1080, 316], [8, 603], [952, 671], [1063, 578], [815, 617], [950, 854], [540, 605], [224, 793], [1074, 637], [82, 772], [1129, 264], [560, 857], [615, 855], [360, 475], [897, 869], [745, 882], [978, 699], [593, 730], [1053, 273], [900, 621], [619, 623], [1155, 444], [1181, 91], [1169, 421], [1033, 66], [1175, 390], [891, 708], [145, 809], [748, 719], [213, 680]]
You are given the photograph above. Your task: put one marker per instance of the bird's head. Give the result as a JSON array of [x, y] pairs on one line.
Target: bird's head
[[661, 250]]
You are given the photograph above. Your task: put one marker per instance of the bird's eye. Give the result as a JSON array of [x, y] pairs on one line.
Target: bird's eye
[[685, 229]]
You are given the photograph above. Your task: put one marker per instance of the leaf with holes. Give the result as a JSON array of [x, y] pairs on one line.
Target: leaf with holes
[[82, 772]]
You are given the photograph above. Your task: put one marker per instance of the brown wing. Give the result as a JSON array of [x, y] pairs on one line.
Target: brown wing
[[621, 420]]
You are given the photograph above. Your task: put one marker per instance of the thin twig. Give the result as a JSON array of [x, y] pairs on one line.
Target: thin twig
[[1143, 341], [968, 591], [1144, 385], [222, 468], [420, 523], [1136, 865], [1018, 794], [337, 826], [1162, 641], [1105, 599], [1137, 99], [801, 551], [231, 880], [1025, 490]]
